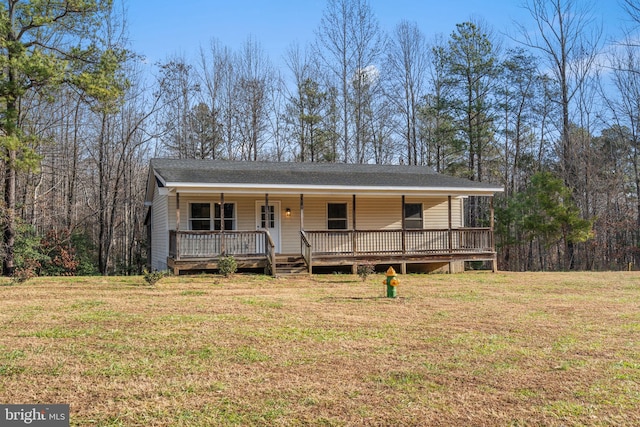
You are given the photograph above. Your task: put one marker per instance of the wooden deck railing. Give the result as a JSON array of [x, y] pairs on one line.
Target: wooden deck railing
[[399, 242], [305, 250], [212, 244], [270, 252], [186, 245]]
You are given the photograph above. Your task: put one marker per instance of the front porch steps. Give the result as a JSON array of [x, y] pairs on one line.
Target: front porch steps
[[290, 265]]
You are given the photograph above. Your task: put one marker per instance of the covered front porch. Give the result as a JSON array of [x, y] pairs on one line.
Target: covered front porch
[[306, 217], [201, 250]]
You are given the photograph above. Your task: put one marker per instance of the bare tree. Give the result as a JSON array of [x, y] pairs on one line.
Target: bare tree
[[252, 91], [215, 73], [178, 86], [368, 44], [333, 47], [520, 84], [349, 41], [407, 62], [441, 150], [305, 103], [280, 147], [632, 8], [625, 111], [568, 37], [118, 148]]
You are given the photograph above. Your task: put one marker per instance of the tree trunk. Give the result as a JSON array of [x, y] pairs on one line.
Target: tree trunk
[[8, 266]]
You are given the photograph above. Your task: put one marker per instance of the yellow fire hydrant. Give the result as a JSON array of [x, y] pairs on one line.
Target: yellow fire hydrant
[[392, 282]]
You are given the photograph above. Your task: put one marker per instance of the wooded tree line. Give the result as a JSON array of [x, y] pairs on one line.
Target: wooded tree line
[[550, 111]]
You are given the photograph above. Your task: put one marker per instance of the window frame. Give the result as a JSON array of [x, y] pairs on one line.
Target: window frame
[[202, 218], [409, 222], [217, 220], [331, 219], [214, 218]]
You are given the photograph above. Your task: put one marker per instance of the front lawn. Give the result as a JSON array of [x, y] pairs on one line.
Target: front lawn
[[470, 349]]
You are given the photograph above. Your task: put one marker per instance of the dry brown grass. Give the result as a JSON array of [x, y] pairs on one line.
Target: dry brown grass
[[471, 349]]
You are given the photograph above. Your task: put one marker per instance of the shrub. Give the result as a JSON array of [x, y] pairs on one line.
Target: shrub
[[28, 253], [227, 265], [27, 270], [86, 254], [364, 270], [153, 277], [59, 248]]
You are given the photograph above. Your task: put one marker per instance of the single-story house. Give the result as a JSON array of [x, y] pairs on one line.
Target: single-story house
[[293, 217]]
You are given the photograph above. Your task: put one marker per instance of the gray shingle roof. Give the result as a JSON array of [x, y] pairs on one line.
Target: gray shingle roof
[[183, 171]]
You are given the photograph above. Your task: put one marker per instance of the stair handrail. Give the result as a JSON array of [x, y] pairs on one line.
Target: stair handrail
[[270, 249], [305, 249]]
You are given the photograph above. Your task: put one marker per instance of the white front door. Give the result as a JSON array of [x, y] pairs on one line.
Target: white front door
[[268, 219]]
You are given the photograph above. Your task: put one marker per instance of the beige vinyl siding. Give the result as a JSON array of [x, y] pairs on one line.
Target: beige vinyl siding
[[436, 212], [171, 200], [315, 211], [289, 227], [159, 231], [379, 213], [383, 213]]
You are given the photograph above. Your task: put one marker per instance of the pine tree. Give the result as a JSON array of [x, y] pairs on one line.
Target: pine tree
[[44, 44]]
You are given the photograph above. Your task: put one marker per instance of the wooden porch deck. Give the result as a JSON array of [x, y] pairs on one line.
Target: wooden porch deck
[[200, 250]]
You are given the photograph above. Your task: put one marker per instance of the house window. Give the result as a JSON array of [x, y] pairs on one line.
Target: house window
[[268, 220], [337, 216], [229, 217], [200, 216], [413, 215]]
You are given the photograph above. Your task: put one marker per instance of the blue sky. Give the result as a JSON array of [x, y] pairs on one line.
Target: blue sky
[[159, 29]]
